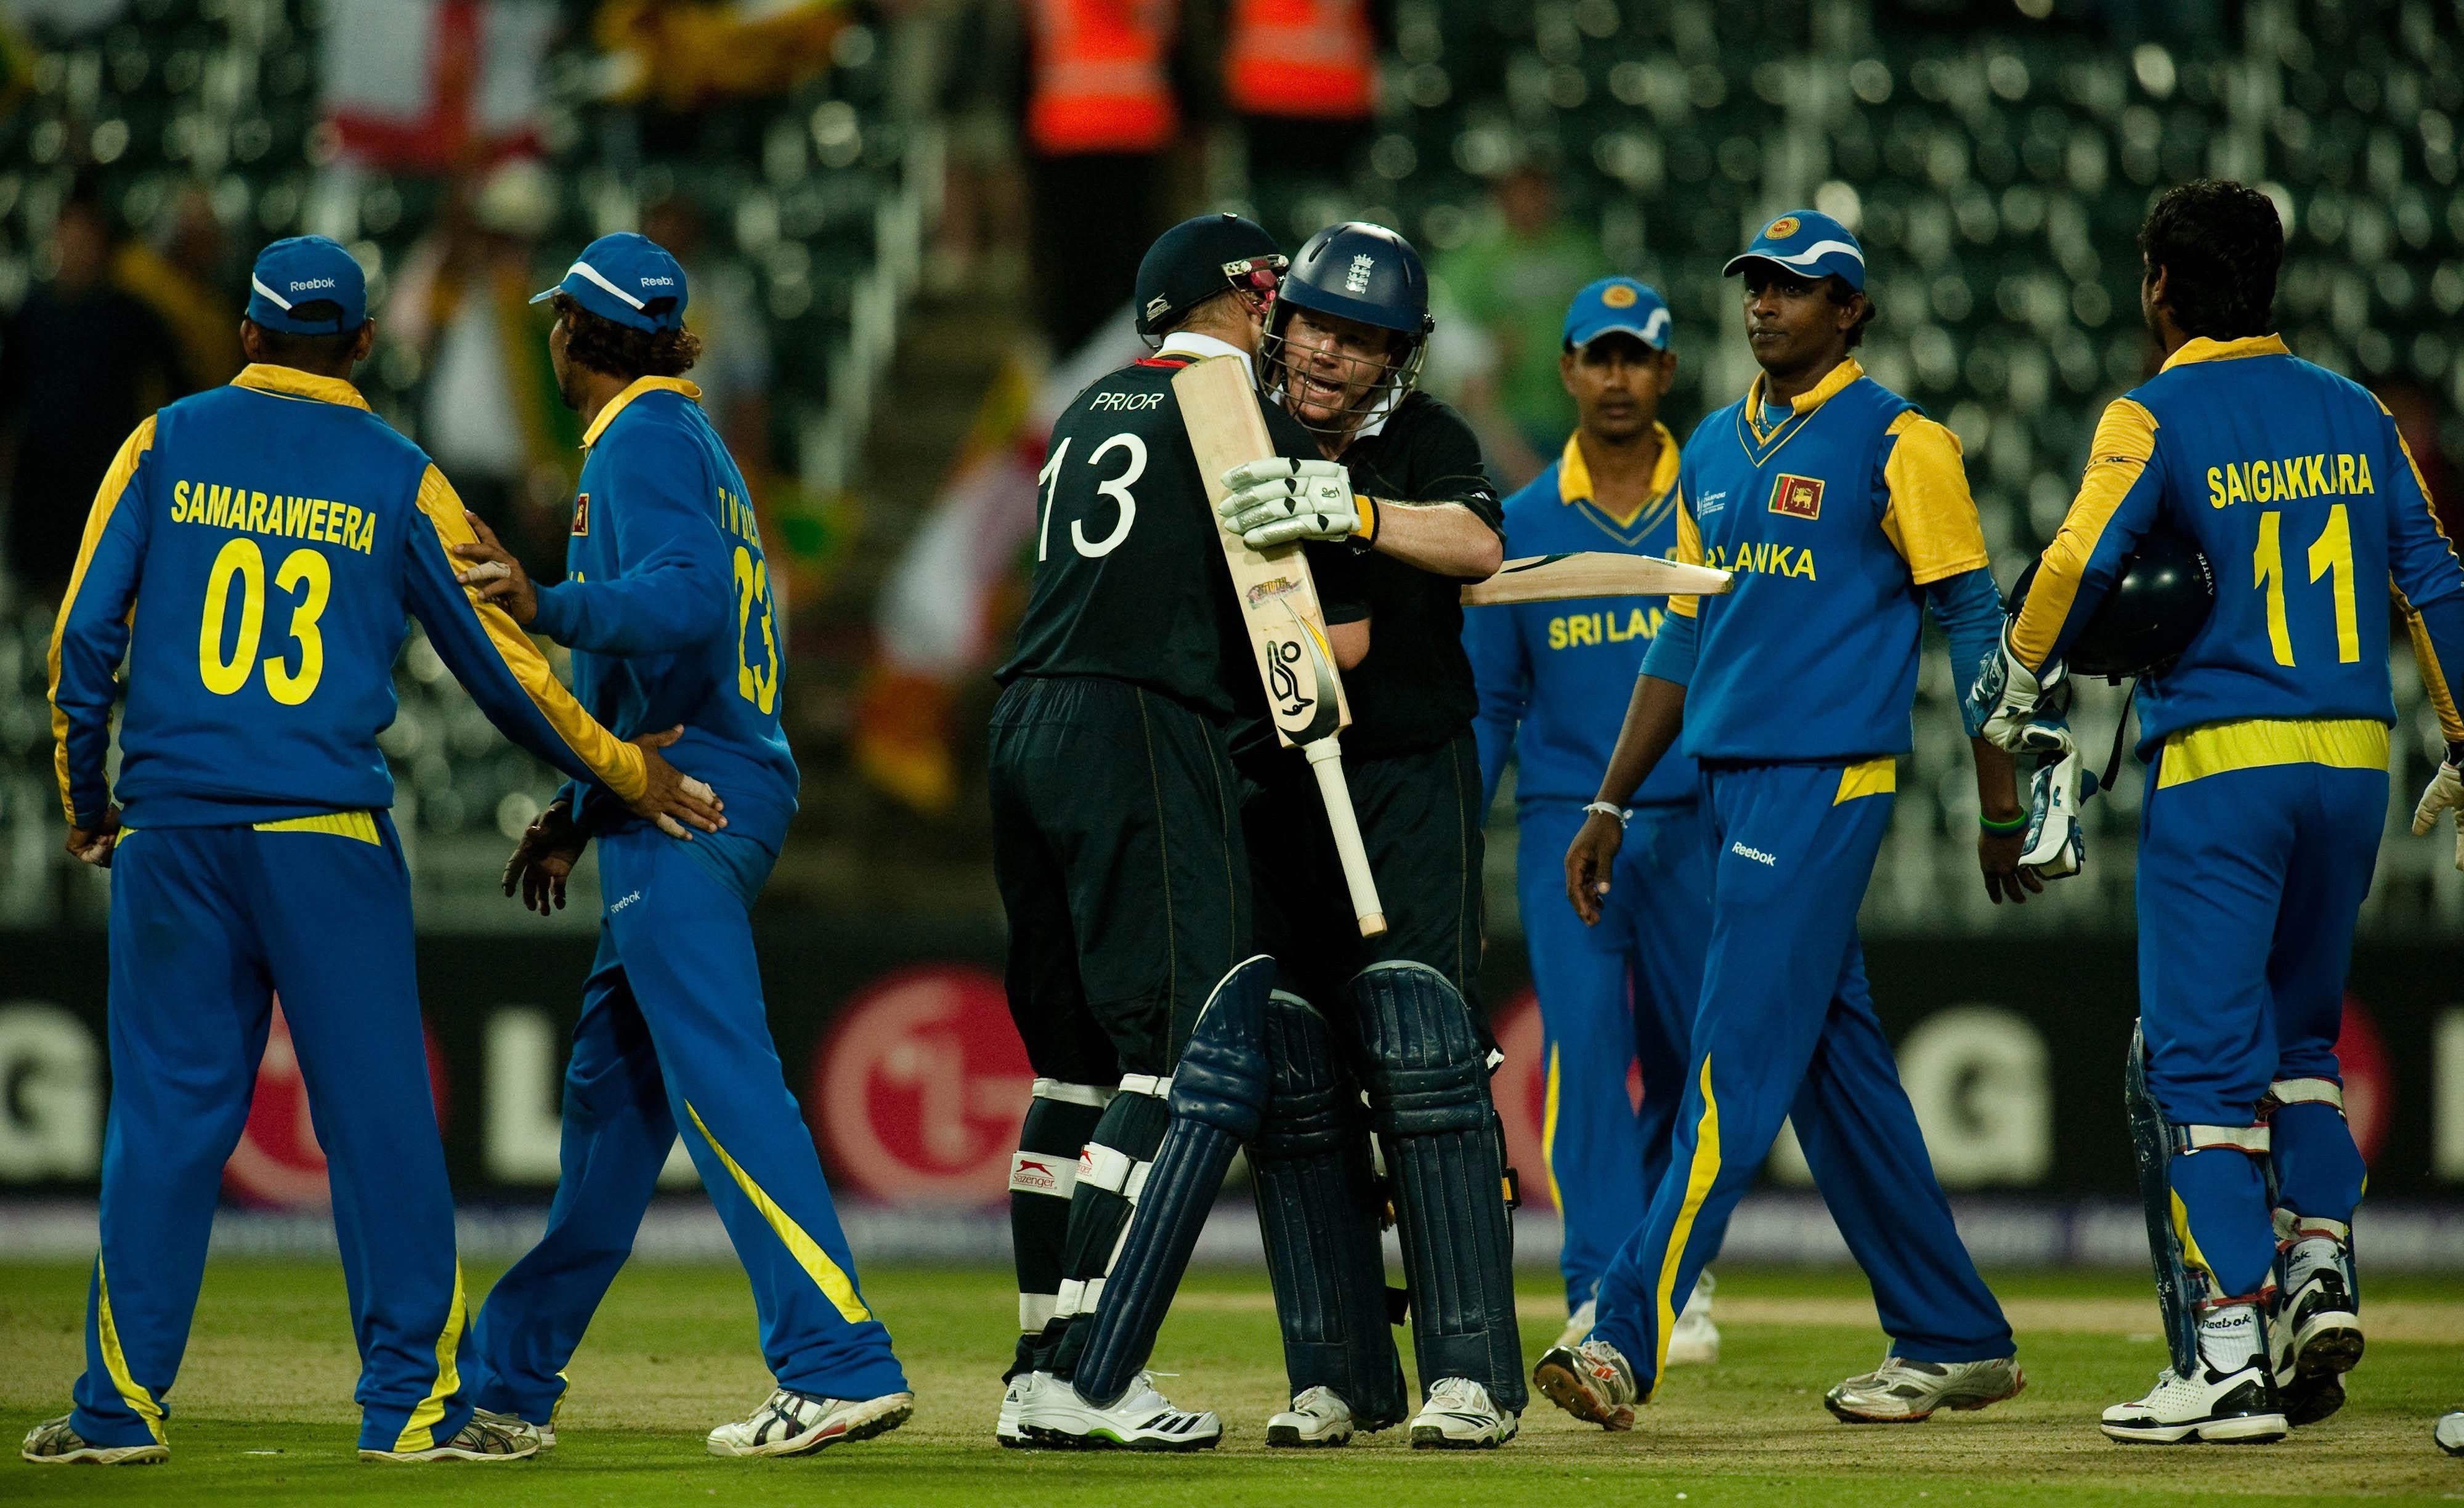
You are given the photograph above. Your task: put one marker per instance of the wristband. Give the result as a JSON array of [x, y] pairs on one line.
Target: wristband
[[2010, 829], [1365, 531], [1605, 809]]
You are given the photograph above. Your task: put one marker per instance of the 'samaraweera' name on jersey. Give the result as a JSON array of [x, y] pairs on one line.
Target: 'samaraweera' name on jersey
[[1130, 580], [253, 551], [2297, 486], [1831, 516]]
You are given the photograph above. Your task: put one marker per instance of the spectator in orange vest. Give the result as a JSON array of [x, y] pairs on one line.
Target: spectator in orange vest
[[1302, 77]]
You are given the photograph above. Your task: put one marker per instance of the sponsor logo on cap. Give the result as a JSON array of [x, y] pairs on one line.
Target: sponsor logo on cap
[[658, 283], [1617, 296], [1357, 280], [1797, 497], [312, 282], [1781, 229]]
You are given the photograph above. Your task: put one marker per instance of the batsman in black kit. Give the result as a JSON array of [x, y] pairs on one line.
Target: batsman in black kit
[[1117, 846], [1398, 1013]]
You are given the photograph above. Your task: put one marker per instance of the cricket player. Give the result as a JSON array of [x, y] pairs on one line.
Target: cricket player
[[1844, 513], [667, 606], [1553, 679], [1118, 849], [2266, 746], [275, 531], [1398, 486]]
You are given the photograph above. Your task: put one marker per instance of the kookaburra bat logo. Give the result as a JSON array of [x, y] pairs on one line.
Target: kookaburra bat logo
[[1299, 669]]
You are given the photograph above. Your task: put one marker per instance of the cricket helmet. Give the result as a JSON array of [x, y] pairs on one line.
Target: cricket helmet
[[1199, 258], [1365, 273], [2158, 605]]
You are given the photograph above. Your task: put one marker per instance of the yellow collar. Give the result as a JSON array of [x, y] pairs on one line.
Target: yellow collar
[[1574, 475], [289, 382], [639, 387], [2200, 348], [1807, 402]]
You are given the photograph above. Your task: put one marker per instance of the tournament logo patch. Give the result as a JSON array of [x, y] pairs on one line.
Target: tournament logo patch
[[581, 513], [1797, 497], [1617, 296], [1781, 229]]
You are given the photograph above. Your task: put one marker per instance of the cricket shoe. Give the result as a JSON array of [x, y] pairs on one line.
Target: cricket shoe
[[2237, 1407], [1055, 1415], [1903, 1391], [798, 1423], [1459, 1415], [53, 1443], [487, 1437], [2449, 1432], [1592, 1380], [1022, 1391], [1317, 1417], [1694, 1340], [1578, 1325], [2317, 1329]]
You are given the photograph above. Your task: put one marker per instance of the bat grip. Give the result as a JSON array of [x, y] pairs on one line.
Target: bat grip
[[1325, 759]]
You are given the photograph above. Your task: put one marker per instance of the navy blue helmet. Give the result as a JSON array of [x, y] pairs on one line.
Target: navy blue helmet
[[2157, 606], [1365, 273]]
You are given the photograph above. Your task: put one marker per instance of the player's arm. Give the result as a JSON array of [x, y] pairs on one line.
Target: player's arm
[[90, 636], [674, 588], [1455, 532], [1501, 672], [2428, 586], [505, 674], [1340, 600], [1655, 715], [1929, 516]]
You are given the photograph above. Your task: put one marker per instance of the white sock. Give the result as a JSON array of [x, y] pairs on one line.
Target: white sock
[[2228, 1337], [2308, 1258]]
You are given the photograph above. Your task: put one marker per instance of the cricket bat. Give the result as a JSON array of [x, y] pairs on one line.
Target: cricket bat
[[1591, 573], [1279, 602]]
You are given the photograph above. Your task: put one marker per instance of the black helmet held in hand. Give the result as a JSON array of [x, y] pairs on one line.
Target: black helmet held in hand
[[2158, 605]]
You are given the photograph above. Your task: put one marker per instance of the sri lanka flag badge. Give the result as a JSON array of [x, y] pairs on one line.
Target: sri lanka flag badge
[[1797, 497], [581, 513]]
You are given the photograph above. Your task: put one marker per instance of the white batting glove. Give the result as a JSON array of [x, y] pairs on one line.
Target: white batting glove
[[2022, 708], [1276, 501], [2445, 794]]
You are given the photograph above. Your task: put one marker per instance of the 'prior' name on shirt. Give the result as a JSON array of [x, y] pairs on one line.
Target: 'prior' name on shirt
[[238, 508]]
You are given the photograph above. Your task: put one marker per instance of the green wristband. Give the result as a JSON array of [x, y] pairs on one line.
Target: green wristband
[[2015, 825]]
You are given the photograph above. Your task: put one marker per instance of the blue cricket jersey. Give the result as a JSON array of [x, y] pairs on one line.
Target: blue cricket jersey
[[1835, 513], [253, 551], [2296, 483], [1555, 678], [667, 606]]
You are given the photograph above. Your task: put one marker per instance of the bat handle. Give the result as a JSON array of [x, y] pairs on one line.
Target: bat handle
[[1325, 759]]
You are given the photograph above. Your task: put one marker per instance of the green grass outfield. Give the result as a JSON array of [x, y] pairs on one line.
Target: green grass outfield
[[271, 1369]]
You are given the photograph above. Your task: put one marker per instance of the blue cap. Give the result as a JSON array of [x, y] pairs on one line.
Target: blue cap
[[628, 278], [306, 269], [1810, 244], [1619, 305]]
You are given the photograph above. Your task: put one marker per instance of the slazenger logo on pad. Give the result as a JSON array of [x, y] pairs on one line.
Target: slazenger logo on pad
[[1029, 1173], [1755, 854]]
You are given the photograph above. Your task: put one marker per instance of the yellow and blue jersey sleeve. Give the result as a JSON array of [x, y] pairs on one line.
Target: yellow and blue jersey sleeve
[[1930, 517], [495, 661], [2427, 583], [2117, 503], [90, 634]]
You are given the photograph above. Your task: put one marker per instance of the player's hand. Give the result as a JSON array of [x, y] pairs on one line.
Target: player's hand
[[494, 574], [2016, 708], [1589, 859], [674, 799], [2445, 794], [93, 845], [1276, 501], [1999, 855], [550, 848]]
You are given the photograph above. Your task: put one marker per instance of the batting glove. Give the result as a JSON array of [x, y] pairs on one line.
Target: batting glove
[[2020, 709], [2056, 842], [1276, 501], [2445, 794]]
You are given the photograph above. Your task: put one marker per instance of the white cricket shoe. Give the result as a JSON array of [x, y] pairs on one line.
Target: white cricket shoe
[[1058, 1416], [2237, 1407], [1694, 1340], [53, 1443], [2316, 1330], [1594, 1382], [1016, 1399], [797, 1424], [2449, 1432], [1578, 1324], [1459, 1415], [1317, 1417], [1903, 1391], [487, 1437]]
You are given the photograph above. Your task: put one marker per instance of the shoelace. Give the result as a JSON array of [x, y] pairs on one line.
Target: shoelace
[[1459, 1394]]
